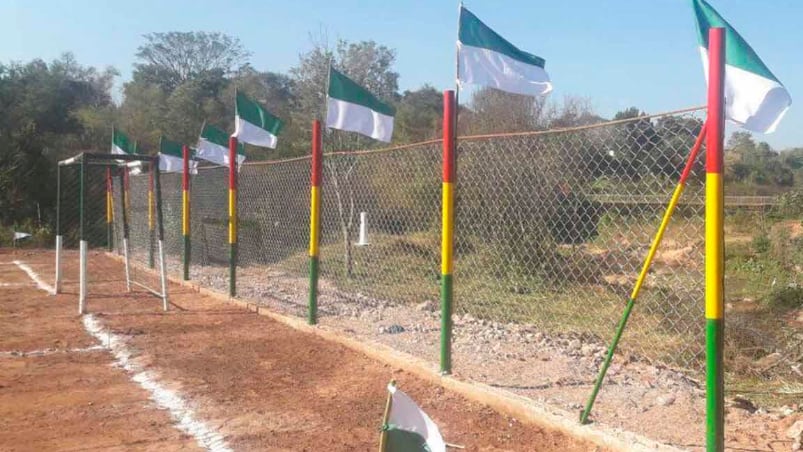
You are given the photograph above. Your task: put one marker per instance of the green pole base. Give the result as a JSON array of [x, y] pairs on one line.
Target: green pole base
[[187, 258], [312, 316], [714, 386], [233, 270], [446, 324]]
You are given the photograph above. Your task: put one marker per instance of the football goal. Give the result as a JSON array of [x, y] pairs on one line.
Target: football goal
[[89, 215]]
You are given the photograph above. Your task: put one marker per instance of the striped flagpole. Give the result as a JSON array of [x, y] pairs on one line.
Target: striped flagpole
[[314, 220], [670, 209], [233, 216], [185, 209], [109, 209], [714, 242], [151, 223], [447, 225]]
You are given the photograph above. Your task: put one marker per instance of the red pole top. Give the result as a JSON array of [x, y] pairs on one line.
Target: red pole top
[[715, 127], [232, 163], [109, 180], [317, 151], [185, 179], [448, 136]]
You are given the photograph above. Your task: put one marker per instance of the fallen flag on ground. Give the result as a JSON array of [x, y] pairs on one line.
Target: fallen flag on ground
[[486, 58], [353, 108], [255, 125], [213, 146], [407, 428], [754, 98]]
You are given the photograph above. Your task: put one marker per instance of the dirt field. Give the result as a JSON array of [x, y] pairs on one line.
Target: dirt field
[[260, 384]]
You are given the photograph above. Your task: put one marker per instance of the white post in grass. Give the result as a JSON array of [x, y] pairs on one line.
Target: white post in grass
[[57, 285], [82, 277], [127, 271], [363, 229], [163, 274]]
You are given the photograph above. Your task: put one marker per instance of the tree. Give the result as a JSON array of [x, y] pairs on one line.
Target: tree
[[497, 112], [370, 65], [170, 59], [419, 115], [42, 107]]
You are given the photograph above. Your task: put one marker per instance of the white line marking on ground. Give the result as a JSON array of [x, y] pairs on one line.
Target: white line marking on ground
[[164, 398], [50, 351], [13, 284], [35, 277]]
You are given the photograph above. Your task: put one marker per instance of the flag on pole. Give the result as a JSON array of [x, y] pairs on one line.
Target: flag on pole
[[353, 108], [487, 59], [255, 125], [408, 428], [213, 146], [754, 98], [171, 157], [121, 144]]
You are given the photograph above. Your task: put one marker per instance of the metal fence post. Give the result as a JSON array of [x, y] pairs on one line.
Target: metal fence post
[[714, 242], [314, 221], [233, 216], [185, 210], [447, 226]]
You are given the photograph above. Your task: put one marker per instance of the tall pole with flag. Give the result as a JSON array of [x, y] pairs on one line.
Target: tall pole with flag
[[714, 241], [314, 220], [109, 209], [185, 208], [233, 216], [447, 229]]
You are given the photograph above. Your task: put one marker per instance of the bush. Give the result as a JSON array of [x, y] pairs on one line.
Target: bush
[[761, 243], [786, 298]]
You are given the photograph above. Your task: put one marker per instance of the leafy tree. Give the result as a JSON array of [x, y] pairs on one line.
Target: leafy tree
[[419, 115], [42, 123], [170, 59]]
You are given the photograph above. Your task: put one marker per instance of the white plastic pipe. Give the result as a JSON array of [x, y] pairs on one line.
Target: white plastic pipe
[[163, 274], [363, 229], [57, 285], [82, 278], [127, 271]]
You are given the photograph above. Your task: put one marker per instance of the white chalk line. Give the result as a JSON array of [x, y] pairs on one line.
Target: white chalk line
[[49, 351], [163, 397], [35, 277]]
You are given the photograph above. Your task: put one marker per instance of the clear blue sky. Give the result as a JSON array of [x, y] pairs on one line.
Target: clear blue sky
[[618, 53]]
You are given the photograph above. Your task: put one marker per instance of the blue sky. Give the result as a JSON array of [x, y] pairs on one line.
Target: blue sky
[[617, 53]]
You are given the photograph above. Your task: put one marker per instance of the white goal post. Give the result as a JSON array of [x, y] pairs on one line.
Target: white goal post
[[118, 164]]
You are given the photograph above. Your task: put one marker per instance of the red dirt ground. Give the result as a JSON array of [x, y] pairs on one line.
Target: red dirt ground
[[261, 384]]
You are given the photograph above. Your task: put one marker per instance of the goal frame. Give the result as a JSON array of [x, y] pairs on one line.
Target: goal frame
[[95, 159]]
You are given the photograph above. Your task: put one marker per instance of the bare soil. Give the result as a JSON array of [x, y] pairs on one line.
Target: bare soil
[[261, 384]]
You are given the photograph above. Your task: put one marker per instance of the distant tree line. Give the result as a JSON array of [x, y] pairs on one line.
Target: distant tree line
[[49, 111]]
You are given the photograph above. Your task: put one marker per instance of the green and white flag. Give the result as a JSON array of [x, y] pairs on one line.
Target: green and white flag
[[121, 144], [171, 157], [487, 59], [353, 108], [213, 146], [408, 428], [255, 125], [754, 98]]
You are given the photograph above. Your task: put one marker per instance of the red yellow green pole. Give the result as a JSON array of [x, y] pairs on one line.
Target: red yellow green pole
[[109, 209], [670, 209], [715, 243], [151, 223], [185, 209], [314, 220], [232, 216], [447, 233]]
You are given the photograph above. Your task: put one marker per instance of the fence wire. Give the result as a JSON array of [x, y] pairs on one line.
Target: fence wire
[[552, 229]]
